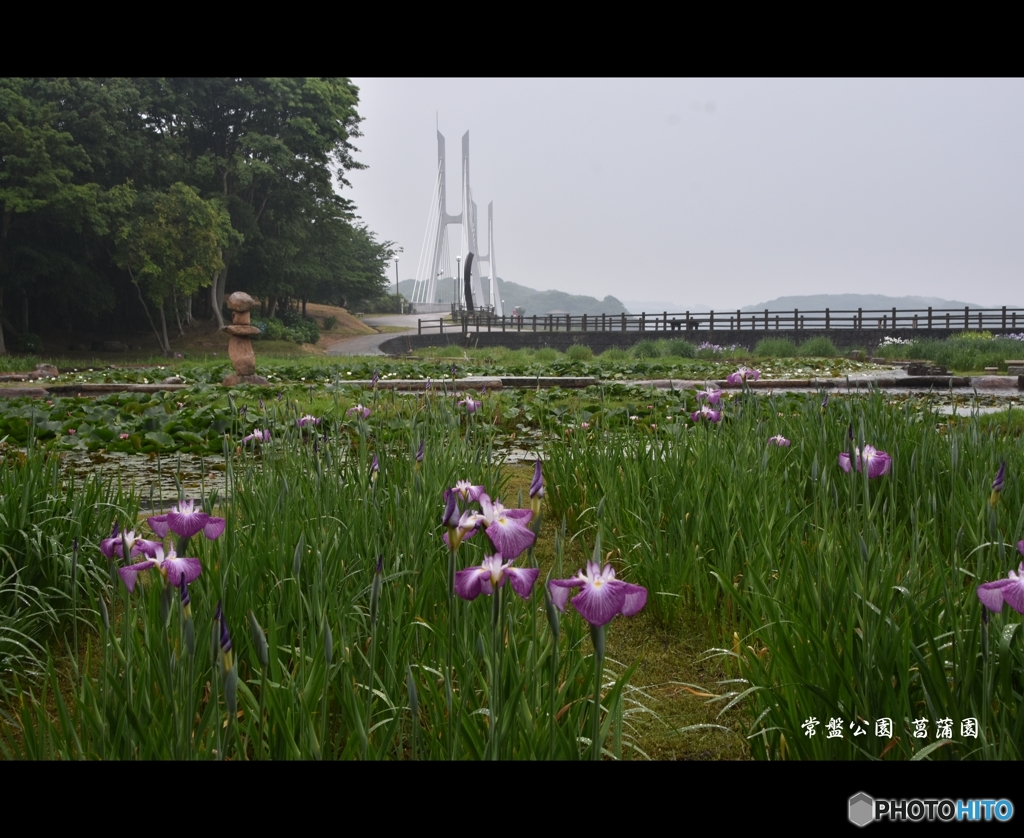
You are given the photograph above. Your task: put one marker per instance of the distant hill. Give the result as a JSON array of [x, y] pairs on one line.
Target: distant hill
[[542, 302], [849, 302]]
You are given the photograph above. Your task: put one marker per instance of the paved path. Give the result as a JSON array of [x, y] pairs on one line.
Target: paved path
[[370, 344]]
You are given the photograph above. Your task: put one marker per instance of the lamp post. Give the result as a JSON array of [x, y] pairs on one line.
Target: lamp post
[[458, 273], [396, 285]]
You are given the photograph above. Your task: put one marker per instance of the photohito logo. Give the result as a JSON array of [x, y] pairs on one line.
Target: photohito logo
[[864, 809]]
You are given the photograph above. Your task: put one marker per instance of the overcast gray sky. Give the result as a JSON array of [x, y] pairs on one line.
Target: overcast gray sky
[[723, 192]]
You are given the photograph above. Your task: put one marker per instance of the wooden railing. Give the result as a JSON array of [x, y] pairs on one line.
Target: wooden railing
[[710, 321]]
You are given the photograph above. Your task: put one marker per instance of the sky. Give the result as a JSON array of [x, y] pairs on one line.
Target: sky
[[713, 192]]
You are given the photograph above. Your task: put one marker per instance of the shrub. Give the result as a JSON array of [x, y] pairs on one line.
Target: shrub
[[330, 323], [647, 349], [614, 355], [579, 352], [545, 355], [28, 342], [775, 348], [819, 347], [680, 348]]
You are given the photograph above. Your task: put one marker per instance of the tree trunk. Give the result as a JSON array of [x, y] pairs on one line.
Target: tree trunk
[[177, 315], [273, 306], [3, 348], [149, 317], [166, 343], [304, 300], [220, 282]]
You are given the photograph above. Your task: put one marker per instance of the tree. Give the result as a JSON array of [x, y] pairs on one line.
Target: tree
[[250, 141], [40, 184], [170, 243]]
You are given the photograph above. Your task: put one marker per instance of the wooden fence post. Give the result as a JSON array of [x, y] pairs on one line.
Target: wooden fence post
[[827, 317], [711, 321], [929, 317]]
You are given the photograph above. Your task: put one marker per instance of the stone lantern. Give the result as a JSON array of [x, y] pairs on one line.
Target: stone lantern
[[243, 359]]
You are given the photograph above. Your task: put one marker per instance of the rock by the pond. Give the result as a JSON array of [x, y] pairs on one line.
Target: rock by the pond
[[242, 331], [243, 359], [240, 301], [46, 369]]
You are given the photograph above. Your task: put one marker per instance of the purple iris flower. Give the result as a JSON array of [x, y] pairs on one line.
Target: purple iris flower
[[536, 493], [419, 453], [506, 528], [114, 546], [225, 640], [877, 462], [471, 405], [742, 374], [374, 468], [185, 520], [824, 403], [997, 484], [492, 574], [308, 420], [467, 491], [780, 440], [172, 567], [359, 410], [461, 525], [375, 379], [709, 395], [601, 595], [1010, 590], [706, 413], [258, 435], [537, 484]]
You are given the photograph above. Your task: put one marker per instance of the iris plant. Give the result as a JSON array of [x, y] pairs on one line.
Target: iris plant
[[172, 567], [536, 490], [706, 413], [601, 595], [471, 405], [185, 520], [877, 462], [779, 440], [358, 410], [492, 574], [114, 546], [1009, 590], [742, 374], [258, 435], [997, 484], [709, 395], [506, 528]]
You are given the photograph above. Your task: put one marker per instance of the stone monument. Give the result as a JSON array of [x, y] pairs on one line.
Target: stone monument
[[243, 359]]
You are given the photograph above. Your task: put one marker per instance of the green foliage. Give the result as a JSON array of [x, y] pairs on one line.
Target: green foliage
[[614, 355], [291, 327], [680, 348], [963, 353], [818, 347], [834, 596], [579, 352], [545, 355], [775, 348], [28, 342], [647, 349]]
